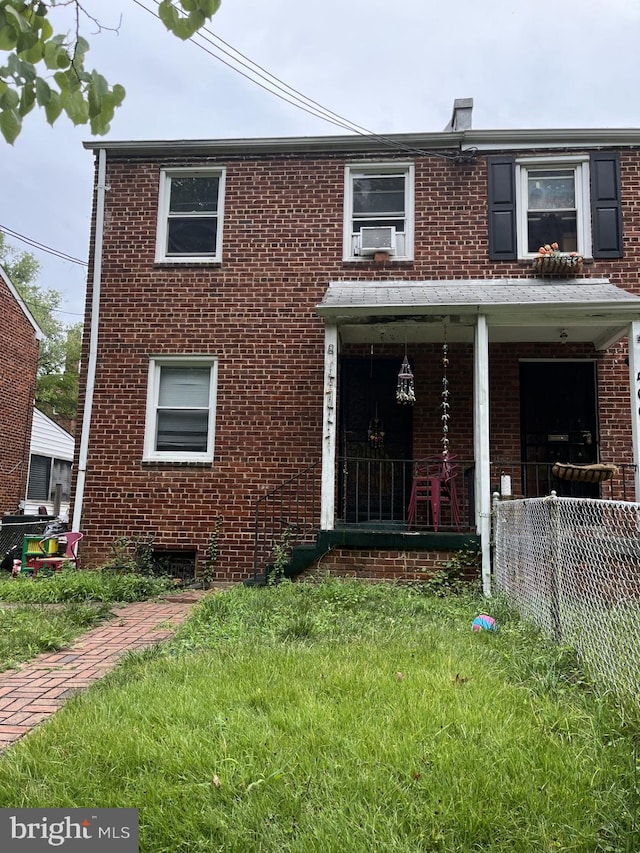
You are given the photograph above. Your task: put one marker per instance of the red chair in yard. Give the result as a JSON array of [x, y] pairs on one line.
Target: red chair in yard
[[434, 485], [70, 543]]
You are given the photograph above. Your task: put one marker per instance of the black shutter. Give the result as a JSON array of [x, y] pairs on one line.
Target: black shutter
[[502, 208], [606, 215]]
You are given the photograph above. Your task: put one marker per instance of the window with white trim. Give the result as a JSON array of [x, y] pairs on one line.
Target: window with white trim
[[46, 475], [181, 398], [553, 204], [378, 214], [190, 215]]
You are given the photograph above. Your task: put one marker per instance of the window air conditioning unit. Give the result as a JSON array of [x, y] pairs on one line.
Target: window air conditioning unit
[[381, 239]]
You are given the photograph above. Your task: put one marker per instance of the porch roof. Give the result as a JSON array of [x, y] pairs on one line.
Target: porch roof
[[592, 310]]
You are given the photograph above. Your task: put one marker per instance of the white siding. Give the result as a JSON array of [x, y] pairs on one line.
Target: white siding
[[49, 439]]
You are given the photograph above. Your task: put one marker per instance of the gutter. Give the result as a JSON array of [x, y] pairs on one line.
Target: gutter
[[93, 342]]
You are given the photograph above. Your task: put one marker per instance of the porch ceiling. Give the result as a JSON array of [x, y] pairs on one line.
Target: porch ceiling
[[591, 310]]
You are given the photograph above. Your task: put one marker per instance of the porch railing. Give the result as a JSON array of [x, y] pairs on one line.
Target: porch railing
[[377, 493], [291, 509]]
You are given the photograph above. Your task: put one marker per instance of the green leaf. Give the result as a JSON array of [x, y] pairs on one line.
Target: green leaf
[[34, 54], [168, 14], [10, 125], [10, 99], [17, 20], [8, 38], [209, 7], [119, 94], [27, 99], [75, 106], [43, 92], [53, 107]]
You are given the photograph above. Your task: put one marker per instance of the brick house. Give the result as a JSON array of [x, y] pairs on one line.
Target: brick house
[[257, 306], [18, 367]]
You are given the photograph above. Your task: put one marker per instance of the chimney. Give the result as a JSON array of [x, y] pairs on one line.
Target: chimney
[[461, 116]]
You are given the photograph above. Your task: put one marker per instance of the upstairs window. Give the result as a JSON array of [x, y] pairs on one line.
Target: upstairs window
[[180, 409], [553, 203], [573, 200], [190, 216], [379, 211]]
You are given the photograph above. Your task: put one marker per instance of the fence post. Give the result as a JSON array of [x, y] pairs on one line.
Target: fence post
[[556, 571]]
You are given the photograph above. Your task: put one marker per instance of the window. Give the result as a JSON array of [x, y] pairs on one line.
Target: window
[[181, 409], [45, 476], [553, 204], [378, 197], [190, 216], [574, 201]]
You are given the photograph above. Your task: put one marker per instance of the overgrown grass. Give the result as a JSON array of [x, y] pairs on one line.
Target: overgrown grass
[[84, 599], [71, 585], [27, 631], [343, 717]]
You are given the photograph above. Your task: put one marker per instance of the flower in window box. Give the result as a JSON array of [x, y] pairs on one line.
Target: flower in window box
[[551, 261]]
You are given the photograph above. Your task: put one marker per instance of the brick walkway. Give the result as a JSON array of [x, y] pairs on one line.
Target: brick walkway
[[40, 687]]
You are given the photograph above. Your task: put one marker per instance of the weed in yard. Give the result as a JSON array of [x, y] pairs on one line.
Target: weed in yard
[[276, 721]]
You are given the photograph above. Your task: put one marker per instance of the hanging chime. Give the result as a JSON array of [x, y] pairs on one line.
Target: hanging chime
[[405, 391], [444, 405]]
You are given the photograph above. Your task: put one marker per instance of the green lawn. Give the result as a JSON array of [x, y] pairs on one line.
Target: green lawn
[[29, 624], [343, 717]]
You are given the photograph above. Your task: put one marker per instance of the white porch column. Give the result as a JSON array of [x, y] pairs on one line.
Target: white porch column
[[634, 386], [329, 428], [481, 447]]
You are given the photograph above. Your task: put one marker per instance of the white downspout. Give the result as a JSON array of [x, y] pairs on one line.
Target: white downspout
[[481, 447], [634, 386], [93, 342]]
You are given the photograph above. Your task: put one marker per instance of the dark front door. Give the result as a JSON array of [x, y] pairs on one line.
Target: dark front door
[[558, 422], [376, 442]]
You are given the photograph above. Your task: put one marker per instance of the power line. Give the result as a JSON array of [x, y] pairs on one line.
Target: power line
[[291, 95], [36, 245]]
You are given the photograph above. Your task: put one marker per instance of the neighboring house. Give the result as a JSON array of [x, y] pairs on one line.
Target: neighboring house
[[50, 461], [255, 301], [19, 337]]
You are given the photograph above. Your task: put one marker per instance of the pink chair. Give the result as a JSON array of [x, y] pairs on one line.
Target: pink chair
[[434, 485], [71, 542]]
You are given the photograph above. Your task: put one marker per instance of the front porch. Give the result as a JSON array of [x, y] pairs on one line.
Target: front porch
[[503, 351], [375, 525]]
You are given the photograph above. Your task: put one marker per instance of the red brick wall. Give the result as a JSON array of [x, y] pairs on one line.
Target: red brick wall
[[256, 312], [377, 565], [18, 365]]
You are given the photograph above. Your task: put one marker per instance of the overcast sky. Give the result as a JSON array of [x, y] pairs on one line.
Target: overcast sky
[[390, 66]]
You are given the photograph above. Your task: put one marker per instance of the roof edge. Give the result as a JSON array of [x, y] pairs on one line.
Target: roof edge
[[417, 142]]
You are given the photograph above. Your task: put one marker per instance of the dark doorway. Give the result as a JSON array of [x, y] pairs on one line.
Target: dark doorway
[[375, 469], [558, 418]]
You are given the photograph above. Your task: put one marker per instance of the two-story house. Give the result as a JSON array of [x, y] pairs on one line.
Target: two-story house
[[356, 340], [19, 343]]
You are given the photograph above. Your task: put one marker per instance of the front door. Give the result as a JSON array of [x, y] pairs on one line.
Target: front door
[[558, 423], [376, 443]]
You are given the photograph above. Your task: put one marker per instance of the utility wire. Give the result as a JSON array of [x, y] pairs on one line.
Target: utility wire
[[36, 245], [291, 95]]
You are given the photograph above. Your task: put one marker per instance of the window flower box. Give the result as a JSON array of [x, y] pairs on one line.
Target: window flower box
[[551, 262], [598, 473]]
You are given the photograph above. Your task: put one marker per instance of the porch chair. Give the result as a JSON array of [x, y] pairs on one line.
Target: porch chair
[[71, 542], [434, 484]]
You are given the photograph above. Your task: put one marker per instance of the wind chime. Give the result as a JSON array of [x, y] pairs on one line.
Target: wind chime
[[405, 390], [375, 433], [444, 405]]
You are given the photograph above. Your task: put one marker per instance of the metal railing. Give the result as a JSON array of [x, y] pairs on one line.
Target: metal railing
[[291, 509], [376, 492]]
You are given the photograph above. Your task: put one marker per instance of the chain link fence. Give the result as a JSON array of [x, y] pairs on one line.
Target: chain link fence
[[572, 567]]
